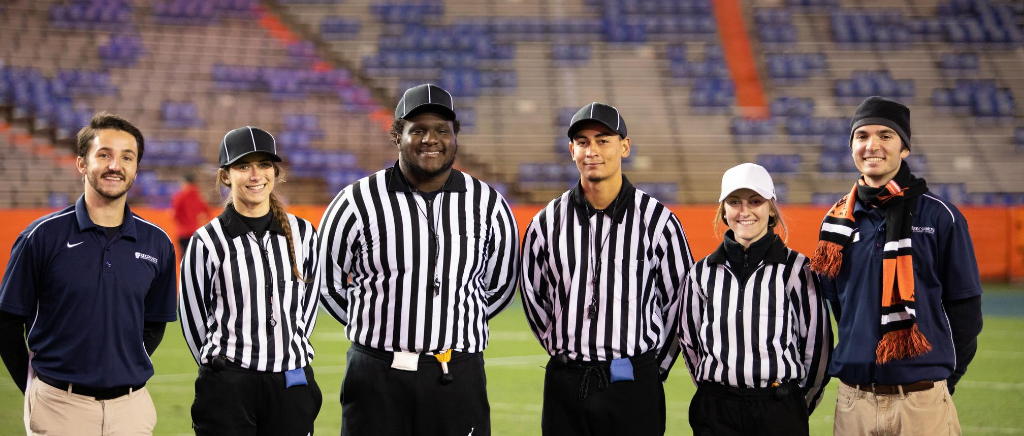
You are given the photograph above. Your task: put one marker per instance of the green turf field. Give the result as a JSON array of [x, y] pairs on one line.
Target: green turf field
[[990, 399]]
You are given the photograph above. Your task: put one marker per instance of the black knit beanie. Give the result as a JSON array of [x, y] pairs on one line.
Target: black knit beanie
[[884, 112]]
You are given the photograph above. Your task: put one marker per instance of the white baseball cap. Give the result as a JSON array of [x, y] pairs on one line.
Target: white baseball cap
[[750, 176]]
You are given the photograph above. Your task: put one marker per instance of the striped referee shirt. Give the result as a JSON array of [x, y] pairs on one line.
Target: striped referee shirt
[[773, 329], [408, 272], [240, 298], [606, 285]]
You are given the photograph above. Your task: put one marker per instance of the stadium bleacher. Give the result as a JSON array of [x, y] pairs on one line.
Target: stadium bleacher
[[322, 75]]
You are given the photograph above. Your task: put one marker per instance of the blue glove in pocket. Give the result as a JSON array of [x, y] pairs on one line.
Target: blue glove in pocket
[[295, 377], [622, 370]]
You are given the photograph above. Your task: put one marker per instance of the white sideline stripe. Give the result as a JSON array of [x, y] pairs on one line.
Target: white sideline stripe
[[533, 359], [536, 359], [512, 336], [329, 337], [501, 336], [540, 360], [994, 430], [1002, 354], [991, 385]]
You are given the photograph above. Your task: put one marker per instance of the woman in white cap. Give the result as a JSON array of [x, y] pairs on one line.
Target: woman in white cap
[[247, 302], [754, 330]]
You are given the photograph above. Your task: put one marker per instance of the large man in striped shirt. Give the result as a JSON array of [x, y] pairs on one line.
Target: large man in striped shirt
[[415, 260], [603, 268]]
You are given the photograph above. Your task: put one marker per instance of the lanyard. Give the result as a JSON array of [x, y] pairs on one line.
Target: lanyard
[[269, 277], [436, 285], [595, 266]]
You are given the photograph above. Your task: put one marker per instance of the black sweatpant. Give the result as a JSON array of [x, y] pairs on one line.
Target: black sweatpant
[[377, 399], [718, 410], [240, 402], [634, 407]]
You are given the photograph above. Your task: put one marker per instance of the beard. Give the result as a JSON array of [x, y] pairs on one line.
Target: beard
[[424, 173], [108, 193]]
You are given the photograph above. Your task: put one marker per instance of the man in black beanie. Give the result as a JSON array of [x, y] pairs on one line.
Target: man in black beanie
[[912, 337]]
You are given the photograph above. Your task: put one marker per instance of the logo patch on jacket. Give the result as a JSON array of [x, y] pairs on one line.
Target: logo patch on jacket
[[144, 256]]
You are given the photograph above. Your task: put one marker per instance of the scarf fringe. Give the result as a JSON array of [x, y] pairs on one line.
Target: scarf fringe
[[827, 259], [902, 344]]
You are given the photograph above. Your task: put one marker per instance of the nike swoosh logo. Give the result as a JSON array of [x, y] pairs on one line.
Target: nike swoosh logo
[[70, 245]]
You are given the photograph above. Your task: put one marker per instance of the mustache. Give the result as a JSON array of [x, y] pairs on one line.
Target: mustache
[[113, 173]]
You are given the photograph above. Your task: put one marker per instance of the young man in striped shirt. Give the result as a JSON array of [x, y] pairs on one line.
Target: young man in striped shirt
[[902, 280], [415, 260], [603, 269]]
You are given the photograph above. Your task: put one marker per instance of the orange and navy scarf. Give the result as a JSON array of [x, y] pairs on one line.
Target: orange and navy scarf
[[901, 338]]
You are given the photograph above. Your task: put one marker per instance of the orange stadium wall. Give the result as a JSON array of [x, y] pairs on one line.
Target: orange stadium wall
[[998, 232]]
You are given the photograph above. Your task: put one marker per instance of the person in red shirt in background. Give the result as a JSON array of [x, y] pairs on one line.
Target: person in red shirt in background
[[190, 210]]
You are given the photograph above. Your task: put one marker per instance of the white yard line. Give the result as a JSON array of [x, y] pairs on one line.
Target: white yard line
[[529, 360], [1002, 354], [993, 430]]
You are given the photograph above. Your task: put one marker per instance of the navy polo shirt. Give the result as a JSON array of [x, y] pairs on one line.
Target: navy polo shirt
[[86, 296], [945, 269]]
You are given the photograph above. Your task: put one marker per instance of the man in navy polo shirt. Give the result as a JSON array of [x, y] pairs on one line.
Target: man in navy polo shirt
[[902, 280], [94, 284]]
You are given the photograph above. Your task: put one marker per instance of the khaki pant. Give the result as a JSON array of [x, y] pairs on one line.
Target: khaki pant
[[53, 412], [927, 413]]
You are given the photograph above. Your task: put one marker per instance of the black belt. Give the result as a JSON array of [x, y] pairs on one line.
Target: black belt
[[640, 360], [878, 389], [97, 393], [389, 356], [781, 390]]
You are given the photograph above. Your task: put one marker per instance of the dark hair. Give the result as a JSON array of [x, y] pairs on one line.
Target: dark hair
[[104, 120], [398, 126], [280, 214]]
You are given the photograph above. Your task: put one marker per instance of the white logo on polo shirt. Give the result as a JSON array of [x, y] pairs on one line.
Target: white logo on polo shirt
[[70, 245], [929, 230], [145, 257]]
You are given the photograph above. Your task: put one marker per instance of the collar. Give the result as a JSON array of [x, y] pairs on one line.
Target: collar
[[85, 222], [398, 183], [617, 209], [776, 251], [235, 227], [860, 207]]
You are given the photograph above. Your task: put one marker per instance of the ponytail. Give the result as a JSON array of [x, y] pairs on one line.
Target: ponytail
[[277, 208]]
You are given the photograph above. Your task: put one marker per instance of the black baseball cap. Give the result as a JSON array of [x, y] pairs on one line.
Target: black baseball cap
[[244, 141], [600, 112], [425, 98]]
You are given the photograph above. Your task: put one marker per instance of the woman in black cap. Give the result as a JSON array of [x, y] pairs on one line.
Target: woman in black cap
[[247, 303], [753, 327]]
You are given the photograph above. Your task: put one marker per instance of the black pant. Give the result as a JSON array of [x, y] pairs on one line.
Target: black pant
[[236, 401], [718, 410], [634, 407], [377, 399]]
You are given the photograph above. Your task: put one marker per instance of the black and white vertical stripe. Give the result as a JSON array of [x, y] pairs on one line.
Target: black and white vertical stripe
[[229, 288], [775, 329], [644, 260], [377, 265]]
